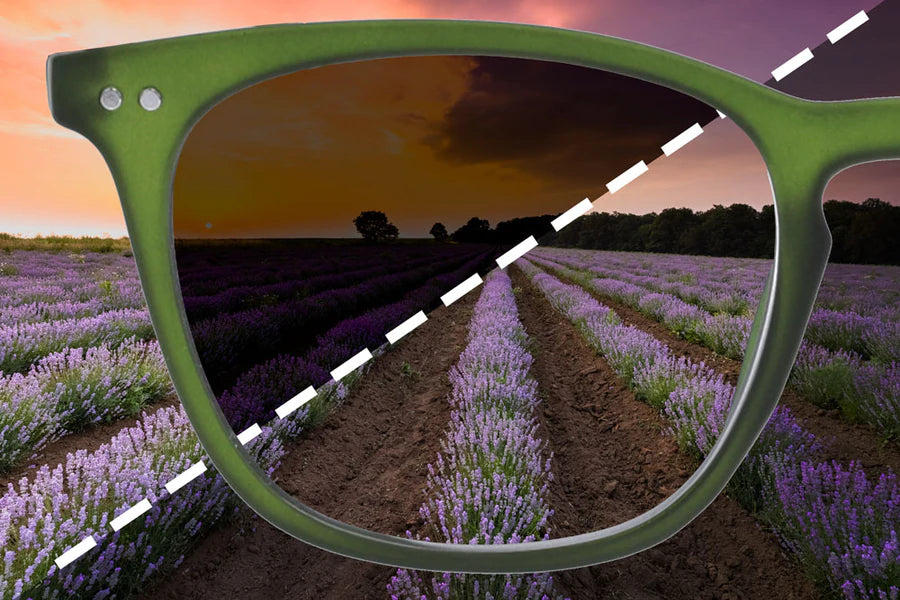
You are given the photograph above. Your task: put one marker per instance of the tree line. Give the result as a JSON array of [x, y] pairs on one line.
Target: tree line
[[866, 233]]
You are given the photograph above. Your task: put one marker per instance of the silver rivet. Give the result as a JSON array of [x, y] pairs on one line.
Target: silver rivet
[[110, 98], [150, 98]]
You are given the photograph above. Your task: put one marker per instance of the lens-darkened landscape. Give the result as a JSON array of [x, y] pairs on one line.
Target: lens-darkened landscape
[[602, 377]]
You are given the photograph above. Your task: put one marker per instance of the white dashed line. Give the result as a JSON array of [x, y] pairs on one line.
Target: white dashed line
[[186, 477], [672, 146], [405, 327], [130, 515], [516, 252], [197, 469], [461, 290], [249, 434], [75, 552], [792, 64], [295, 402], [352, 364], [847, 26], [627, 177], [571, 214]]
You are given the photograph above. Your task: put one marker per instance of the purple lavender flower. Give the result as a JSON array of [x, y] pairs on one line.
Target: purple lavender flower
[[488, 484]]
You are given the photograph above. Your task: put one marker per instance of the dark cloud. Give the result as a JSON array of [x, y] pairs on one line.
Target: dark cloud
[[563, 123]]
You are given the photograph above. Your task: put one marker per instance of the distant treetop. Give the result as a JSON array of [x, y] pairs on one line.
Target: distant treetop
[[374, 226]]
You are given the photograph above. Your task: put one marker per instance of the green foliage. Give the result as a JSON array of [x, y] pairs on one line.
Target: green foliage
[[862, 233], [827, 386], [59, 243], [407, 371]]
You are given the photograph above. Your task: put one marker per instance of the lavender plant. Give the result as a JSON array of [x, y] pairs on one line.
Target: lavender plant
[[23, 344], [56, 508], [68, 391], [836, 522], [488, 484], [843, 526], [824, 372]]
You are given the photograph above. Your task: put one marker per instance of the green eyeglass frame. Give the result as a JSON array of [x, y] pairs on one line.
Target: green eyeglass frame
[[803, 143]]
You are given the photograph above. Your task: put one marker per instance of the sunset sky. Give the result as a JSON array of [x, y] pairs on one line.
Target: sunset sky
[[424, 139], [54, 181]]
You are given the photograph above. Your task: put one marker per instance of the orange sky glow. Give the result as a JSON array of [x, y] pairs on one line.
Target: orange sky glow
[[54, 181]]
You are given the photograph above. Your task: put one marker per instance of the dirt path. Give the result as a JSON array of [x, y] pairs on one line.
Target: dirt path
[[365, 465], [55, 453], [611, 463], [845, 441]]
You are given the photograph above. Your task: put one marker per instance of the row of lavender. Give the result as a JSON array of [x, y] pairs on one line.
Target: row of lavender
[[726, 288], [868, 290], [206, 268], [95, 368], [57, 508], [842, 526], [262, 388], [867, 391], [37, 283], [57, 301], [489, 484], [253, 279], [232, 342], [71, 390], [75, 349], [253, 400]]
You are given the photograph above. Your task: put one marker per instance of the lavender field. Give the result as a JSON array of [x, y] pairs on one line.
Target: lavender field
[[77, 354]]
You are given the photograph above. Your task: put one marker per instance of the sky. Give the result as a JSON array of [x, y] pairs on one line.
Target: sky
[[54, 181], [424, 139]]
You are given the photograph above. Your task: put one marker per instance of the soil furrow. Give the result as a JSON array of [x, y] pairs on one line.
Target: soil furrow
[[612, 462], [845, 441], [364, 465]]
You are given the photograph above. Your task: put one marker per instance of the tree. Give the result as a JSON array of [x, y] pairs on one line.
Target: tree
[[671, 229], [475, 230], [439, 231], [374, 226]]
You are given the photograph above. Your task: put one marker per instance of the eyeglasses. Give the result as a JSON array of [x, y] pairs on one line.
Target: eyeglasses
[[141, 104]]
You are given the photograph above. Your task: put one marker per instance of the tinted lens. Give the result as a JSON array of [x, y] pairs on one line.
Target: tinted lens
[[318, 213]]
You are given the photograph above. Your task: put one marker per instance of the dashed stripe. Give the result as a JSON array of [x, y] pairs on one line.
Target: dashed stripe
[[130, 515], [847, 26], [356, 361], [395, 334], [249, 434], [627, 177], [571, 214], [792, 64], [517, 252], [296, 402], [75, 552], [186, 477], [197, 469], [461, 290], [680, 140]]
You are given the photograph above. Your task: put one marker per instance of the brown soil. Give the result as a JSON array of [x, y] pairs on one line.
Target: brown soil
[[612, 463], [365, 465], [91, 439], [844, 441]]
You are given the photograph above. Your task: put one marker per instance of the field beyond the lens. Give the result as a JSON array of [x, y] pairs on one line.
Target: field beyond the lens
[[608, 376]]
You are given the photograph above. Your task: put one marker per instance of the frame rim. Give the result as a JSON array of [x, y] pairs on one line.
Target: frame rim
[[144, 177]]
